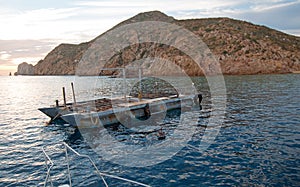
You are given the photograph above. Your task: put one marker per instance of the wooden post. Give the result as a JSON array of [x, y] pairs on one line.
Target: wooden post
[[64, 96], [124, 84], [56, 103], [74, 99], [140, 79]]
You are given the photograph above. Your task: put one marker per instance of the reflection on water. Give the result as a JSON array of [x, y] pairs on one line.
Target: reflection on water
[[258, 143]]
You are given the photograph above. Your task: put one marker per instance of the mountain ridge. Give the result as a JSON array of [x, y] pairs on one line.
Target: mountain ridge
[[239, 46]]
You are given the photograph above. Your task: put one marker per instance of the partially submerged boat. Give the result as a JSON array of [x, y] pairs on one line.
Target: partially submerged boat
[[115, 109], [140, 103], [105, 109]]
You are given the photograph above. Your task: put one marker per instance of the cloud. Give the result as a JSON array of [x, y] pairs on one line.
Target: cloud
[[261, 5], [4, 55], [278, 14], [14, 52], [165, 6], [284, 17], [36, 24], [83, 20]]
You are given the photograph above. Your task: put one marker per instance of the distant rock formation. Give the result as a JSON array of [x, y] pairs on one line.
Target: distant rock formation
[[25, 69], [240, 47]]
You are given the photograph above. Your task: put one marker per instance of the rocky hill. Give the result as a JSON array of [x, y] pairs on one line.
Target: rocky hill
[[245, 48], [25, 69], [62, 60], [240, 47]]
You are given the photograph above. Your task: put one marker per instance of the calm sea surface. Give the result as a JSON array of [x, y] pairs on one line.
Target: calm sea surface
[[258, 143]]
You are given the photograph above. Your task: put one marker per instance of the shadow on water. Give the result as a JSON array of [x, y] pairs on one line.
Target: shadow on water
[[120, 132]]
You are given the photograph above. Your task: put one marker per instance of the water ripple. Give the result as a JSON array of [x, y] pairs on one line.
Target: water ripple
[[258, 144]]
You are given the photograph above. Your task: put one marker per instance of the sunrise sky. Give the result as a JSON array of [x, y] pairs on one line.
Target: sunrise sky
[[32, 28]]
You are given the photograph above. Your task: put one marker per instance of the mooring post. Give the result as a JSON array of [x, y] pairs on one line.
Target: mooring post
[[56, 103], [74, 99], [140, 80], [124, 84], [200, 100], [64, 96]]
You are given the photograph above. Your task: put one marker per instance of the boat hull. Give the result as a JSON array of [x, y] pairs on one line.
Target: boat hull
[[50, 111], [55, 113], [139, 111]]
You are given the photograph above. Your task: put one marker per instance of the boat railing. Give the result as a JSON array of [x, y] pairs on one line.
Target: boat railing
[[66, 149]]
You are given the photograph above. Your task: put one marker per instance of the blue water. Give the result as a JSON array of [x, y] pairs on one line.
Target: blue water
[[258, 143]]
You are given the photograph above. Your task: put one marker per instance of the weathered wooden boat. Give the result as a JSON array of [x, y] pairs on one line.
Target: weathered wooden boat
[[160, 96], [110, 111]]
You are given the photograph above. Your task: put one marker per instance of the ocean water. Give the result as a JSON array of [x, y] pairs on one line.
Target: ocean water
[[258, 143]]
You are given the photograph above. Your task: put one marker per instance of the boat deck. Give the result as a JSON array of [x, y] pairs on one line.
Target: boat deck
[[104, 104]]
